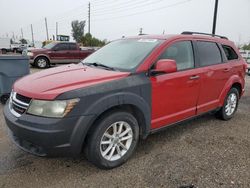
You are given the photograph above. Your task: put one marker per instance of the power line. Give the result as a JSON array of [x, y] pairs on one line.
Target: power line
[[122, 5], [103, 3], [124, 8], [141, 12]]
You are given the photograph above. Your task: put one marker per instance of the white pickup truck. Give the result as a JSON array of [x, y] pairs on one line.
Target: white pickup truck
[[5, 45]]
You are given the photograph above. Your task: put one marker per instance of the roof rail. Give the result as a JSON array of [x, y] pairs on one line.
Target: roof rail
[[198, 33]]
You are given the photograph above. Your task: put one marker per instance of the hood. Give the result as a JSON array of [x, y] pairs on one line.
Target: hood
[[48, 84]]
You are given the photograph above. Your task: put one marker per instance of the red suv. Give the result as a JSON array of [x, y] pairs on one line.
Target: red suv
[[122, 93]]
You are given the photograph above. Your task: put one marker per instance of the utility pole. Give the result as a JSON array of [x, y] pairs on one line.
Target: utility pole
[[46, 25], [32, 34], [89, 18], [215, 16], [56, 29], [22, 32]]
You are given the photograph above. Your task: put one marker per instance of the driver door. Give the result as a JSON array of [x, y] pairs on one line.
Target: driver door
[[175, 95]]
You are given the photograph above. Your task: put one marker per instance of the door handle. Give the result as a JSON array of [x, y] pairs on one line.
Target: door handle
[[227, 69], [195, 77]]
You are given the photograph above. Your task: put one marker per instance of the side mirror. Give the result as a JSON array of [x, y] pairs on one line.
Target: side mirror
[[164, 66]]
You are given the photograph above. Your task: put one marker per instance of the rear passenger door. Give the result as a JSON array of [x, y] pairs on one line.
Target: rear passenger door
[[214, 75]]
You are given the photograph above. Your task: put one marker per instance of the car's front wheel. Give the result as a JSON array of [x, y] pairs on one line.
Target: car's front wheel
[[113, 140]]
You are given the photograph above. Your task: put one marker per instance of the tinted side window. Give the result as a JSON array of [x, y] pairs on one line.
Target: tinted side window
[[72, 46], [230, 53], [209, 53], [61, 47], [182, 53]]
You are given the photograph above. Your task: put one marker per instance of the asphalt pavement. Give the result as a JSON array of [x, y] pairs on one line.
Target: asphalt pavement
[[205, 152]]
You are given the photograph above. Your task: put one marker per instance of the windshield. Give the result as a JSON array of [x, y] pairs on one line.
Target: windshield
[[50, 45], [125, 54]]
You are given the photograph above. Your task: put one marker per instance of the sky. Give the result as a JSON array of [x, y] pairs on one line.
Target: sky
[[112, 19]]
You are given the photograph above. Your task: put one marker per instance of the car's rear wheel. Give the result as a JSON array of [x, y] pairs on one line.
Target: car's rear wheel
[[113, 140], [42, 62], [230, 105]]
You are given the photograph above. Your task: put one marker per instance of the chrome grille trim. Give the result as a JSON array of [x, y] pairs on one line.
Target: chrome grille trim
[[19, 104], [18, 101]]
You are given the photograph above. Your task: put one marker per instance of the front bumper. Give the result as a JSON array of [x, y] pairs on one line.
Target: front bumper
[[48, 136]]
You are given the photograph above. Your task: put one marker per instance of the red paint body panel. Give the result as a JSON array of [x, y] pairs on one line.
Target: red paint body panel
[[48, 84], [174, 97]]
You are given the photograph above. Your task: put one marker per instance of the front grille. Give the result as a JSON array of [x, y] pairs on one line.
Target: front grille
[[23, 98], [18, 104]]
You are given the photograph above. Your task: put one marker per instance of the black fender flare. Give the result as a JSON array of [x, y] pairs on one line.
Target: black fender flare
[[123, 98], [105, 103]]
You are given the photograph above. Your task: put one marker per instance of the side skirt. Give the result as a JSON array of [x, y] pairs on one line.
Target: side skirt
[[153, 131]]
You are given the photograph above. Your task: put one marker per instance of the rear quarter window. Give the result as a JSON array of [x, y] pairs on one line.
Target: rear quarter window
[[230, 53], [209, 53]]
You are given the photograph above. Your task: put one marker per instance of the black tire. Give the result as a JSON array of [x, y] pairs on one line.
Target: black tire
[[43, 65], [32, 65], [4, 51], [222, 114], [93, 145], [4, 99]]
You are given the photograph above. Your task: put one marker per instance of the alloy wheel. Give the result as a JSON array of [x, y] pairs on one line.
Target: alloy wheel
[[41, 63], [231, 104], [116, 141]]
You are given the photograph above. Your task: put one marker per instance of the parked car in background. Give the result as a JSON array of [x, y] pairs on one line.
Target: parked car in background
[[14, 47], [123, 92], [5, 45], [246, 55], [21, 48], [57, 53]]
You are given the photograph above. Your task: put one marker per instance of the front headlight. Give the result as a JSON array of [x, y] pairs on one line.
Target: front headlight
[[56, 109], [30, 54]]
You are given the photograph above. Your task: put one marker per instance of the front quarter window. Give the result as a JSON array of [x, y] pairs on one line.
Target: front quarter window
[[125, 54]]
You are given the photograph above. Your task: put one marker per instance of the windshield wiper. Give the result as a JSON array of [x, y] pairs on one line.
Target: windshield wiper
[[96, 64]]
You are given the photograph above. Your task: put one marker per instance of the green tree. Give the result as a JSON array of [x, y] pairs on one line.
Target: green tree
[[23, 41], [78, 29], [88, 40], [246, 47]]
